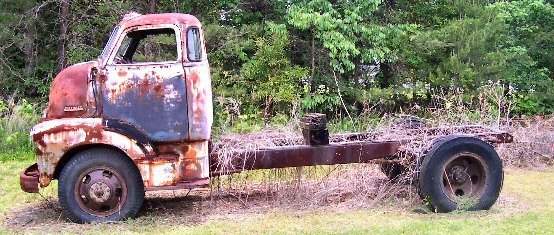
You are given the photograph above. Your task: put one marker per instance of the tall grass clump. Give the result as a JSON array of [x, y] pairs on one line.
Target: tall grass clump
[[16, 119], [533, 146]]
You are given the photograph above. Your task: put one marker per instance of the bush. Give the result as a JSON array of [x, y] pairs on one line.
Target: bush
[[16, 119]]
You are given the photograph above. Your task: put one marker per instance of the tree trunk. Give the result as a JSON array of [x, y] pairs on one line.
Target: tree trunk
[[64, 13], [29, 41], [311, 78], [152, 9], [386, 71]]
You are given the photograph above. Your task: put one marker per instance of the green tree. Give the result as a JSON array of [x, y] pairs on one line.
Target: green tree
[[268, 78], [345, 29]]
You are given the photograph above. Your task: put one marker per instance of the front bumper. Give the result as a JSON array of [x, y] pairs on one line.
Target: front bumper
[[28, 179]]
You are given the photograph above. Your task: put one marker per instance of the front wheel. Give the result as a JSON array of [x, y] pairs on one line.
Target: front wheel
[[461, 173], [99, 185]]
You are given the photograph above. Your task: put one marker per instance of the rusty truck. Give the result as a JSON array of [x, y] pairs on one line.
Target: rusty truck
[[139, 118]]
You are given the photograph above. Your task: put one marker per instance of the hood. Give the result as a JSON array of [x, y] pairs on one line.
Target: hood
[[68, 95]]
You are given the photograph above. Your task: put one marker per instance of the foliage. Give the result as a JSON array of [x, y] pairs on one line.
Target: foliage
[[269, 75], [90, 31], [279, 57], [484, 44], [16, 120], [344, 29]]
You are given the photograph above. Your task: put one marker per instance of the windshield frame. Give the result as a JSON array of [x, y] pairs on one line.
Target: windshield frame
[[109, 44]]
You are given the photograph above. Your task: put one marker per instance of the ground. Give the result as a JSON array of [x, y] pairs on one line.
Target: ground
[[525, 206]]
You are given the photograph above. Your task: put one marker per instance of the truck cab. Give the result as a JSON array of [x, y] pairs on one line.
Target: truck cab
[[138, 118]]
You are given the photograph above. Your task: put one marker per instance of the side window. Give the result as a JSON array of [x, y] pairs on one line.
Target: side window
[[194, 44], [147, 46]]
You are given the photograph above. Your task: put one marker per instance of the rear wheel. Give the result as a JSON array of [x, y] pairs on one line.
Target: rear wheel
[[100, 185], [461, 173]]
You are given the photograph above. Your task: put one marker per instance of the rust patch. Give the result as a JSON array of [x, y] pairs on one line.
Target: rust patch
[[54, 138], [177, 164], [199, 102], [158, 88], [166, 18], [38, 152], [145, 86], [304, 155], [122, 73], [69, 89], [195, 80], [92, 132]]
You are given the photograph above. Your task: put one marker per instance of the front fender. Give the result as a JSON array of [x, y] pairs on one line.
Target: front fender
[[53, 139]]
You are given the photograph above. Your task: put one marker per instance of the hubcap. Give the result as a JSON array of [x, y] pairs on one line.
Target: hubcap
[[464, 175], [458, 175], [100, 191]]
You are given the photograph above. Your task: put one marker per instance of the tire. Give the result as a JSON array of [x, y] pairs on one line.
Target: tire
[[461, 173], [99, 185]]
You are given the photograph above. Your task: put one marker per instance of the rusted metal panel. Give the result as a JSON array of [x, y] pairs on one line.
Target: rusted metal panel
[[164, 18], [199, 87], [151, 97], [200, 107], [56, 137], [70, 93], [160, 99], [178, 164], [303, 155], [28, 179]]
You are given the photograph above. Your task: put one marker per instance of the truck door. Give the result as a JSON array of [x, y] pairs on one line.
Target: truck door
[[144, 82]]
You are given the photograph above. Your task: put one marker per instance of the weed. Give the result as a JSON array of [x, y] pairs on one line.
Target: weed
[[16, 120], [465, 203]]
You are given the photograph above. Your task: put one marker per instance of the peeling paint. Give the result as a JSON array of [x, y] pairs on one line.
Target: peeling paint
[[176, 164], [167, 103], [53, 139]]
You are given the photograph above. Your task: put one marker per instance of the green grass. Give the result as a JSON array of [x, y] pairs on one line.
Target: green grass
[[10, 192], [526, 206]]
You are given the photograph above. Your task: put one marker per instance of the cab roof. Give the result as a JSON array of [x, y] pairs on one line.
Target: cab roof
[[135, 19]]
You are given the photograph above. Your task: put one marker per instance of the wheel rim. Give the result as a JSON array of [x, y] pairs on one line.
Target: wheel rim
[[464, 175], [100, 191]]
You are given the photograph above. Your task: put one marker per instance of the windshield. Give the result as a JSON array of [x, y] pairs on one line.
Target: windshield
[[104, 55]]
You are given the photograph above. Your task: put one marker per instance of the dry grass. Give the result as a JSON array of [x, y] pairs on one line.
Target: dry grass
[[352, 186], [346, 188], [522, 208], [360, 185], [533, 146]]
